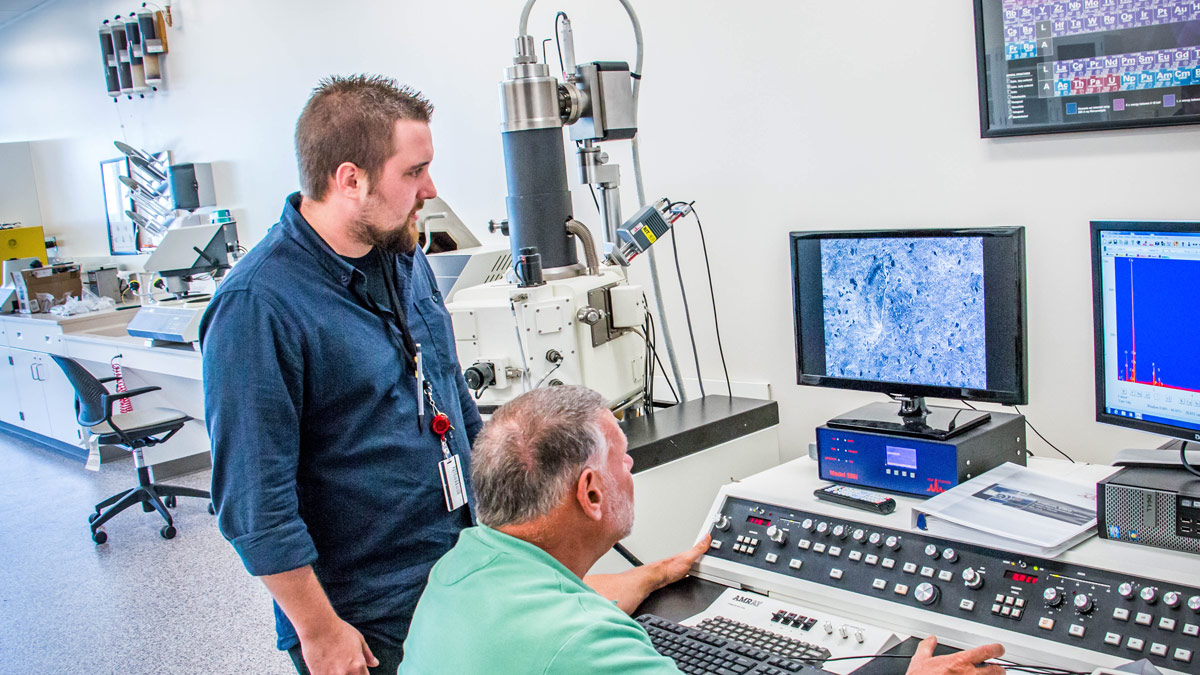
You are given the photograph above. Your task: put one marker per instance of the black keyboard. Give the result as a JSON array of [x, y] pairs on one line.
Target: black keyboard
[[700, 651]]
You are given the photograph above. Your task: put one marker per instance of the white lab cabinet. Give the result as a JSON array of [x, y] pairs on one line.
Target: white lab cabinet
[[10, 403]]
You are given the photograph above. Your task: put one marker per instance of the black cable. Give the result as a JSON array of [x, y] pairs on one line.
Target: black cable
[[629, 557], [557, 45], [713, 296], [1007, 665], [654, 348], [1039, 435], [968, 404], [1183, 460], [686, 311]]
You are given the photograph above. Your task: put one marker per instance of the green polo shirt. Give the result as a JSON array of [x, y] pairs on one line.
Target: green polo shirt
[[497, 604]]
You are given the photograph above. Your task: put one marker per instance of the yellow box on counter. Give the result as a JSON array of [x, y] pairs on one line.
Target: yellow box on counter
[[56, 280], [23, 242]]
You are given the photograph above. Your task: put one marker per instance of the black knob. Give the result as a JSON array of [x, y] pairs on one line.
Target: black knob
[[1084, 604], [1053, 597], [1150, 595], [926, 593]]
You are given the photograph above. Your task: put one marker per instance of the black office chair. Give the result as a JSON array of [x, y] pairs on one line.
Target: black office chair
[[135, 430]]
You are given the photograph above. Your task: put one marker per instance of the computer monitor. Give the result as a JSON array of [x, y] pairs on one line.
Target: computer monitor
[[913, 313], [1147, 316]]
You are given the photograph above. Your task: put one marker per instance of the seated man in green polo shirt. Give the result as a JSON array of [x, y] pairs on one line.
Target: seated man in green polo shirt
[[554, 492]]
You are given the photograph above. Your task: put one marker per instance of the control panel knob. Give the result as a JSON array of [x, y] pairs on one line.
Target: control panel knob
[[926, 593], [1194, 603], [1084, 604], [893, 542], [1150, 595], [822, 527], [1126, 590], [860, 535], [777, 534], [931, 550], [972, 579], [1171, 599], [828, 627], [841, 531], [859, 637], [844, 632], [721, 522], [809, 524], [950, 555], [1053, 597], [876, 539]]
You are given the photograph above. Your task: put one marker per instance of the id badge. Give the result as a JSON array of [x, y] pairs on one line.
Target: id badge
[[452, 482]]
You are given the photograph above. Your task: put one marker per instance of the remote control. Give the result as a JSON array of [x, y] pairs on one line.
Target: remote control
[[855, 498]]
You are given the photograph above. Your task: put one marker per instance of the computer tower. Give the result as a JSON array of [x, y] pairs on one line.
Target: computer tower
[[1150, 506]]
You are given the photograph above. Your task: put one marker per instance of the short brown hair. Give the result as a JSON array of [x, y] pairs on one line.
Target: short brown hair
[[352, 119]]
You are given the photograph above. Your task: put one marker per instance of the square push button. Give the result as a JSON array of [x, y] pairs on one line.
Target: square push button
[[771, 558], [1143, 619], [910, 568], [1135, 644], [900, 589], [716, 543], [871, 559], [803, 544], [795, 563], [1046, 623], [1158, 649], [854, 555], [1183, 655], [1166, 623], [888, 563], [1076, 630], [1191, 629], [835, 574], [879, 584], [1112, 639], [966, 605], [1121, 614], [818, 548]]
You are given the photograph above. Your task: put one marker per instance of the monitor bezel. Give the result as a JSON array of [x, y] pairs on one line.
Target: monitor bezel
[[1098, 227], [1018, 396], [986, 130]]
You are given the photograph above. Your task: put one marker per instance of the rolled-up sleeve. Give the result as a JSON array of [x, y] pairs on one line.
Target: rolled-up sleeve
[[253, 395]]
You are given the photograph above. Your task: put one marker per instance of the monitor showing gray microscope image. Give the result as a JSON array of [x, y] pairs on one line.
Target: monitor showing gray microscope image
[[912, 312]]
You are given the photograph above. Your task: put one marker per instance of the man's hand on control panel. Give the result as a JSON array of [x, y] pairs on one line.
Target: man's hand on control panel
[[960, 663]]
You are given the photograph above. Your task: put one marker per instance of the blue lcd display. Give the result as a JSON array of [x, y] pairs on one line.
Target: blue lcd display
[[904, 458]]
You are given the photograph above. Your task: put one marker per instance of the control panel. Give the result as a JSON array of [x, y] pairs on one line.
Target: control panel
[[1122, 615]]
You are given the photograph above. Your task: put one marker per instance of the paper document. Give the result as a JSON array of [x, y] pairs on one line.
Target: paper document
[[1015, 508]]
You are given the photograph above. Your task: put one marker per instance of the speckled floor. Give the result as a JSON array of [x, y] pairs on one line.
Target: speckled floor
[[136, 604]]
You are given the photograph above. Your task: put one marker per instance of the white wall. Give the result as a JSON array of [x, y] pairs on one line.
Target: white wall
[[790, 115], [18, 190]]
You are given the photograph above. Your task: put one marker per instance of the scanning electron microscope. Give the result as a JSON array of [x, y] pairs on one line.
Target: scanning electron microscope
[[557, 320]]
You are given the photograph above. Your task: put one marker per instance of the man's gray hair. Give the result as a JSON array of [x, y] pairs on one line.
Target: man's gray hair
[[530, 454]]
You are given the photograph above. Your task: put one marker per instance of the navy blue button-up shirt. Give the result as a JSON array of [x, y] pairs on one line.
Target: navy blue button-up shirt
[[319, 456]]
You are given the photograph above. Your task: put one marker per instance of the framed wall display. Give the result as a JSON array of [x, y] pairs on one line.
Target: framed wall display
[[1075, 65], [122, 231]]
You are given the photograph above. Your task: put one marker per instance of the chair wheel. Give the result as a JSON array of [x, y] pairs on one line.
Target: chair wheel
[[170, 501], [99, 536], [92, 518], [167, 532], [212, 510]]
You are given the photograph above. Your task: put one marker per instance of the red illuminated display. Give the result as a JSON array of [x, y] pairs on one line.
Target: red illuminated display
[[758, 521], [1020, 577]]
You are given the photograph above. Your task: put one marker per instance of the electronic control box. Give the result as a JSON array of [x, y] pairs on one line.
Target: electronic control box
[[917, 466]]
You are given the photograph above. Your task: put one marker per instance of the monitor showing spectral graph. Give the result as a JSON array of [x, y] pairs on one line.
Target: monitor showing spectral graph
[[1146, 296], [1074, 65]]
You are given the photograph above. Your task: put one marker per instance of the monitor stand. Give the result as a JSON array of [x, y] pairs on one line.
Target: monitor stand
[[913, 418]]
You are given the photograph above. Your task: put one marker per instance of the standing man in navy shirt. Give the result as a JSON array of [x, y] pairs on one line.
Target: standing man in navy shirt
[[327, 352]]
